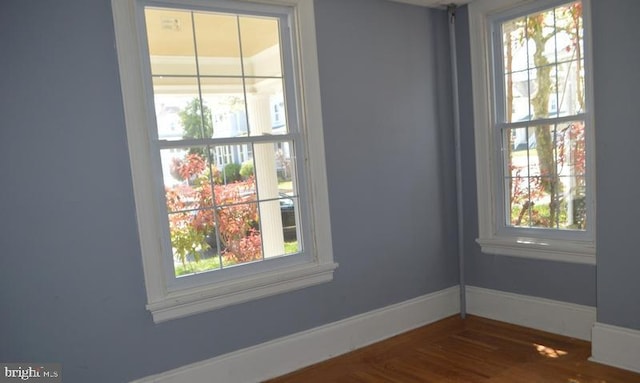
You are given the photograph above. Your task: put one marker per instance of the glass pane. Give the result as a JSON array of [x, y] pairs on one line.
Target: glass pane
[[548, 32], [187, 175], [260, 38], [517, 96], [572, 203], [239, 233], [224, 98], [533, 175], [171, 45], [518, 200], [218, 44], [180, 113], [544, 209], [577, 145], [568, 31], [520, 140], [288, 212], [233, 173], [275, 169], [570, 89], [570, 146], [515, 47], [193, 242], [266, 107]]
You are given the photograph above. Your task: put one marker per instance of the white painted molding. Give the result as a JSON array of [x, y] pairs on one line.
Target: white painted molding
[[557, 317], [290, 353], [616, 346]]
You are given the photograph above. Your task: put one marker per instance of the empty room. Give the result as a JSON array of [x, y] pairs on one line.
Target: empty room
[[238, 190]]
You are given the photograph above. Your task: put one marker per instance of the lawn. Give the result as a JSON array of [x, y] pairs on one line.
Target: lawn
[[213, 263]]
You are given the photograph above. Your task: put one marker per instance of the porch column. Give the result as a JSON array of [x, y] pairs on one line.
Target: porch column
[[259, 111]]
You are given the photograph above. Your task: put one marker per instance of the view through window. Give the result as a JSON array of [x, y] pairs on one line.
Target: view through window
[[541, 119], [225, 142]]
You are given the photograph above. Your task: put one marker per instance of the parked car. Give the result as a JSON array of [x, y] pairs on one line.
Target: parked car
[[288, 213]]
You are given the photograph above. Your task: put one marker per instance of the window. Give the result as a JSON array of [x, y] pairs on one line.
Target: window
[[534, 128], [219, 221]]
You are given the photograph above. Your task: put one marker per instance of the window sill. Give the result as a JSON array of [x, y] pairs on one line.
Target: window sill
[[196, 300], [536, 248]]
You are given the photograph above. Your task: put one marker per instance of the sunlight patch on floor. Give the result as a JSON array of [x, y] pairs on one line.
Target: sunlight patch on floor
[[549, 352]]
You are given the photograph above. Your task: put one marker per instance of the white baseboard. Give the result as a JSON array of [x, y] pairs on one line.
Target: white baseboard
[[616, 346], [557, 317], [284, 355]]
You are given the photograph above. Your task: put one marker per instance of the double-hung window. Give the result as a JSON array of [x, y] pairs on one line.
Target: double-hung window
[[231, 198], [534, 128]]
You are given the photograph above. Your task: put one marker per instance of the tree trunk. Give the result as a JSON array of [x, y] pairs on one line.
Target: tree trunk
[[540, 104]]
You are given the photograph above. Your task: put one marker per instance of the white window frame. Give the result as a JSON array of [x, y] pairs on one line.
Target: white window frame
[[164, 300], [494, 236]]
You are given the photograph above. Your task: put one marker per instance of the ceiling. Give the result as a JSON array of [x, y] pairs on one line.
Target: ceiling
[[434, 3], [171, 33]]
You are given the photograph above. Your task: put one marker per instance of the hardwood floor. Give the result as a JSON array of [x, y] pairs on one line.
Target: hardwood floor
[[474, 350]]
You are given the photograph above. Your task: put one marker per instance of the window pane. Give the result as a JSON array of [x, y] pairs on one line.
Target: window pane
[[266, 107], [543, 206], [234, 178], [218, 44], [515, 47], [193, 242], [224, 97], [187, 175], [519, 200], [170, 39], [568, 28], [570, 89], [289, 213], [180, 113], [517, 96], [260, 39], [239, 233]]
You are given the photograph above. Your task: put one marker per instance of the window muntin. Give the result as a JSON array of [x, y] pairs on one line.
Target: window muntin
[[540, 120], [231, 192]]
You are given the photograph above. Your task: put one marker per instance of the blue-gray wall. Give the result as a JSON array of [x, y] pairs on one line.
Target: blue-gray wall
[[614, 284], [617, 87], [71, 282]]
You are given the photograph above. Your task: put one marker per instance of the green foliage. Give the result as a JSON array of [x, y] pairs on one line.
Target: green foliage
[[291, 247], [197, 123], [192, 120], [246, 170], [232, 173], [187, 240]]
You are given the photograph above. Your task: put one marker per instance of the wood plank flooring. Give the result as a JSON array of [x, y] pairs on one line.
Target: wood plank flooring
[[474, 350]]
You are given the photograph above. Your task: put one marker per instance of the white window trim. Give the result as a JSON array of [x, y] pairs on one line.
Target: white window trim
[[166, 304], [520, 243]]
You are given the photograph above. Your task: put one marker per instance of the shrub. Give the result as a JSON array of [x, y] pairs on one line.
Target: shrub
[[232, 173], [246, 170], [192, 222]]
